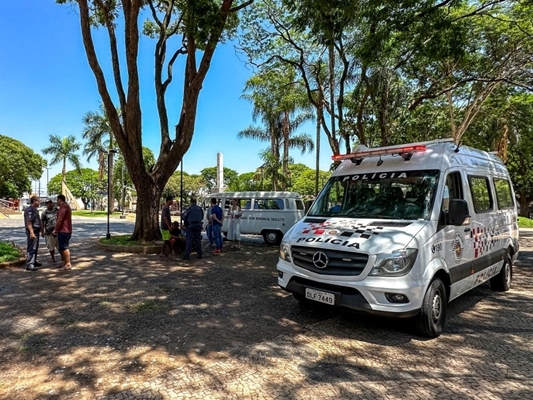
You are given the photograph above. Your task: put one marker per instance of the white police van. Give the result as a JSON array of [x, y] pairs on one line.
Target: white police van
[[415, 226], [269, 214]]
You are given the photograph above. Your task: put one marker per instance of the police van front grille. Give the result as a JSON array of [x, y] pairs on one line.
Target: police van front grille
[[338, 262]]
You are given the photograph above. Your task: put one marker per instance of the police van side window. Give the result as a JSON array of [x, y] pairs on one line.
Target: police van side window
[[481, 195], [453, 190], [504, 195]]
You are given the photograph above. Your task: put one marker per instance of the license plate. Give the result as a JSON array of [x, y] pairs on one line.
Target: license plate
[[320, 296]]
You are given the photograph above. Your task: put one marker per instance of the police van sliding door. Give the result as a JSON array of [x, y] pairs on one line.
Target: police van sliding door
[[457, 239]]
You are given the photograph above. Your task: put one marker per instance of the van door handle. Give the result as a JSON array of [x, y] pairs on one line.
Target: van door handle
[[467, 229]]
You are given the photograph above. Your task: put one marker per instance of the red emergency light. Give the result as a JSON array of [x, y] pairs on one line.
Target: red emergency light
[[405, 151]]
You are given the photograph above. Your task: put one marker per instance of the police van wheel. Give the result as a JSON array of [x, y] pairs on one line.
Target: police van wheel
[[502, 281], [430, 319], [272, 237]]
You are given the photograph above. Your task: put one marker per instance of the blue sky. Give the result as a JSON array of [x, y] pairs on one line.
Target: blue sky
[[46, 86]]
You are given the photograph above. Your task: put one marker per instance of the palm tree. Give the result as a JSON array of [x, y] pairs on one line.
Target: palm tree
[[63, 150], [272, 168], [99, 136], [282, 105]]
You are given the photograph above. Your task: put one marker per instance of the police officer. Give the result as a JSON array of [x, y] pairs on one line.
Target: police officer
[[193, 228], [32, 222]]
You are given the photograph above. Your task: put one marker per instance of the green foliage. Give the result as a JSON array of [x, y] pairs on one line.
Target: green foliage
[[193, 186], [83, 184], [524, 222], [247, 182], [303, 179], [209, 176], [18, 165], [9, 252]]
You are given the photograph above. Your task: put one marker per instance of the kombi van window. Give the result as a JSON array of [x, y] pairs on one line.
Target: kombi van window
[[389, 195]]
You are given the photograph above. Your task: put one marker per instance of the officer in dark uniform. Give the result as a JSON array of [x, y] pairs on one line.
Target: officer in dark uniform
[[193, 228], [32, 222]]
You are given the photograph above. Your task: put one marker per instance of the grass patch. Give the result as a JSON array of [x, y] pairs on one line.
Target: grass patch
[[146, 307], [8, 252], [524, 222], [124, 240], [95, 214]]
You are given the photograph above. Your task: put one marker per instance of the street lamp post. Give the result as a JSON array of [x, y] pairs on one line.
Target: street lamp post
[[181, 185], [110, 154], [47, 191], [122, 193]]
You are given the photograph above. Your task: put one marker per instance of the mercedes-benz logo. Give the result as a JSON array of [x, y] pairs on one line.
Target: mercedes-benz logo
[[320, 260]]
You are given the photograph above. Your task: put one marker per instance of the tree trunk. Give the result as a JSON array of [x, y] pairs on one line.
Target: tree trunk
[[524, 203], [147, 214], [286, 133]]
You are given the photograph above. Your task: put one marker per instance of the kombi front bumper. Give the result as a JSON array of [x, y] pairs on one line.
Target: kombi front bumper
[[370, 295]]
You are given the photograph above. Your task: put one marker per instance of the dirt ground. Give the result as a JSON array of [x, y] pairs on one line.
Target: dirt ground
[[117, 315], [133, 326]]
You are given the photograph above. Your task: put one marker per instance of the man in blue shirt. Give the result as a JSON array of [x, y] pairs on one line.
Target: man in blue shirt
[[337, 207], [217, 217]]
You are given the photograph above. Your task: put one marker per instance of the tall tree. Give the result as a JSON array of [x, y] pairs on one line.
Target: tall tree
[[18, 165], [63, 150], [84, 184], [201, 25], [281, 103], [210, 177]]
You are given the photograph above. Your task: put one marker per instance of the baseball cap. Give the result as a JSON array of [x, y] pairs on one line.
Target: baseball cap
[[48, 201]]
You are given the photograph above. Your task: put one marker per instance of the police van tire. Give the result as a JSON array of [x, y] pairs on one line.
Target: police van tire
[[272, 237], [430, 320], [502, 281]]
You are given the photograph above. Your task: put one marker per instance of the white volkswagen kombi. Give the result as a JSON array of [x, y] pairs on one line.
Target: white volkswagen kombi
[[403, 230], [269, 214]]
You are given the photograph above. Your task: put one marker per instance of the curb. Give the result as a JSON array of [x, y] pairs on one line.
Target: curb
[[15, 263], [129, 249]]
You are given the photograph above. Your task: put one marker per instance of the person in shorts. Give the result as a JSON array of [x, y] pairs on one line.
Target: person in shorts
[[48, 221], [166, 225], [63, 230]]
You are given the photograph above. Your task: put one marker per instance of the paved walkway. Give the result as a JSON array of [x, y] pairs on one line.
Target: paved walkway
[[219, 328]]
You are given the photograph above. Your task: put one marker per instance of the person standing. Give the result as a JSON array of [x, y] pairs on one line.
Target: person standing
[[209, 228], [32, 223], [48, 219], [63, 231], [166, 225], [234, 231], [217, 217], [193, 224]]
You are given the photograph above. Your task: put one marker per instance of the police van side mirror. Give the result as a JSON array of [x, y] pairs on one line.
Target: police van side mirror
[[458, 212]]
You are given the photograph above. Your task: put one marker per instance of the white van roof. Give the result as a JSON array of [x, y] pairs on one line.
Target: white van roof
[[266, 195], [436, 154]]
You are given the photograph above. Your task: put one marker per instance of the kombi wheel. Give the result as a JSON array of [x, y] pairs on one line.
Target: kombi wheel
[[502, 281], [272, 237], [430, 320]]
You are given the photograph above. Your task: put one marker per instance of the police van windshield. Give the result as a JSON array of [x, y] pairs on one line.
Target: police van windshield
[[388, 195]]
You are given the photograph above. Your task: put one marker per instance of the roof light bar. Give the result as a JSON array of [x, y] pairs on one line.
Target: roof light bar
[[405, 151]]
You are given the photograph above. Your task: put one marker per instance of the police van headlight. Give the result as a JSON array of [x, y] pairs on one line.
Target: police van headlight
[[285, 251], [395, 263]]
